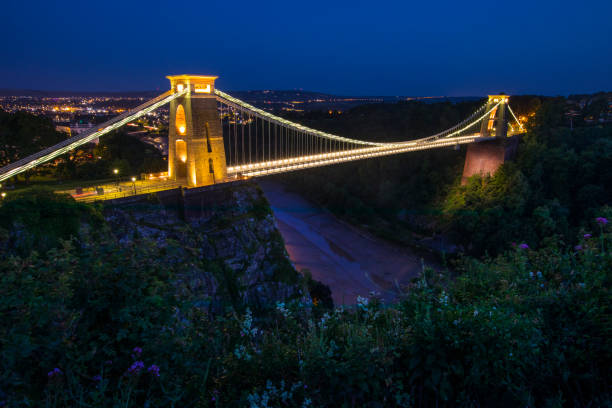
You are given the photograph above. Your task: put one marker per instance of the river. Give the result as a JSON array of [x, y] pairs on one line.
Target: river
[[350, 261]]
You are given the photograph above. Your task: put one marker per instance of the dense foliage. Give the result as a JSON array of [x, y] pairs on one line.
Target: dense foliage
[[117, 150], [22, 134], [96, 322], [558, 181], [89, 320]]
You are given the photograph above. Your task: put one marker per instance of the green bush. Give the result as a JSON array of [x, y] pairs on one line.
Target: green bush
[[528, 328]]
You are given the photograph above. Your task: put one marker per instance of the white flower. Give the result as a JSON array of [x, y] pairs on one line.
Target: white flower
[[362, 302], [280, 306]]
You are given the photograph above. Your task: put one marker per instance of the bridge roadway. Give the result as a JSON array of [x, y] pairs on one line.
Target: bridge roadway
[[113, 190]]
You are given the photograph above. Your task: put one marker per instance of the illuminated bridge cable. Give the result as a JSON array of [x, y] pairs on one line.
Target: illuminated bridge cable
[[314, 156], [69, 144], [515, 118], [456, 132], [263, 115]]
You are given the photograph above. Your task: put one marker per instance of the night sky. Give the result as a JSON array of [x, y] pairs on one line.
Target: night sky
[[425, 48]]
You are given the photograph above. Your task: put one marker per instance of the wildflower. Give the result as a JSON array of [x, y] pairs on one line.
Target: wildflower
[[524, 246], [531, 274], [280, 306], [322, 324], [475, 313], [602, 220], [578, 248], [247, 325], [135, 368], [97, 378], [539, 275], [241, 353], [362, 303], [137, 352], [587, 236], [154, 370], [443, 298], [55, 372]]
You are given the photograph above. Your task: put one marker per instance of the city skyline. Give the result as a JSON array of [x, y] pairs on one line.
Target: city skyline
[[341, 48]]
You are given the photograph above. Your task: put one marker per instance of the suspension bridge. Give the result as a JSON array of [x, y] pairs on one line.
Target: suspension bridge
[[215, 138]]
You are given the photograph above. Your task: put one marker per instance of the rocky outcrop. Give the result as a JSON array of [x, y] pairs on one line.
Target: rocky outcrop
[[233, 248]]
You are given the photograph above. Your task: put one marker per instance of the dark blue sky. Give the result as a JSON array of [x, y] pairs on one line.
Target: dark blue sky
[[343, 47]]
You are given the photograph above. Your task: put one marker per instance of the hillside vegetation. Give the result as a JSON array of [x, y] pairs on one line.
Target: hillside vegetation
[[560, 180]]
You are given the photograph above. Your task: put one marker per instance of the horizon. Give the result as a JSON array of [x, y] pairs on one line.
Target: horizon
[[7, 92]]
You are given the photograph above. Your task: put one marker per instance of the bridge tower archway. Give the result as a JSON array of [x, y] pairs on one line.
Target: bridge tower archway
[[195, 136]]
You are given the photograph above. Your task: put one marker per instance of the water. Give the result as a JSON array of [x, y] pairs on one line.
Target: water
[[351, 262]]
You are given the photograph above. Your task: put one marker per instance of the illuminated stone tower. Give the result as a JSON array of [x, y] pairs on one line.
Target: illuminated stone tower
[[496, 124], [195, 138], [485, 157]]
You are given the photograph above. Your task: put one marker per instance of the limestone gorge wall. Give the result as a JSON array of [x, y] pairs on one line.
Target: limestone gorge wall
[[227, 235]]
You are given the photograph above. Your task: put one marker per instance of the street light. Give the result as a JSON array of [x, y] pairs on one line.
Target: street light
[[134, 184], [3, 194], [116, 173]]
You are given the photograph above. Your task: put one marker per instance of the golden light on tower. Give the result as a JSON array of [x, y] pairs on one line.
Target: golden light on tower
[[181, 124]]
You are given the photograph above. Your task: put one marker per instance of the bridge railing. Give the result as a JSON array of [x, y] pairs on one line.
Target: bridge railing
[[127, 190]]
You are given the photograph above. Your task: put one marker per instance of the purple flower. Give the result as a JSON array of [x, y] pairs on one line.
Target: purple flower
[[602, 220], [154, 370], [587, 236], [524, 246], [55, 372], [137, 351], [97, 378], [578, 247], [135, 368]]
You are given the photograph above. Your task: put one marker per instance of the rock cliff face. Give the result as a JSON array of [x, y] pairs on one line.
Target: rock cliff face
[[233, 247]]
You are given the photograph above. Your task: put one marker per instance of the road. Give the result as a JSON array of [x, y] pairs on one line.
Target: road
[[351, 262]]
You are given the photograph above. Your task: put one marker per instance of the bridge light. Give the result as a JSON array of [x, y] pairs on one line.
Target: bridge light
[[3, 194], [180, 87], [202, 89], [116, 171]]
